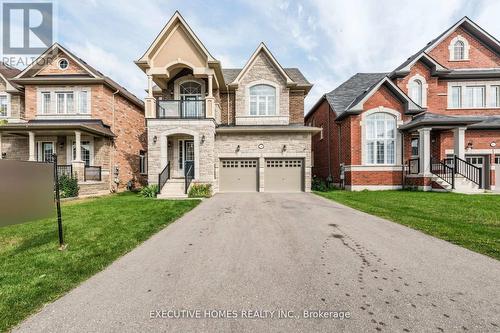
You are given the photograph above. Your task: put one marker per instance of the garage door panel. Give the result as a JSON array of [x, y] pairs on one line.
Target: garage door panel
[[238, 175], [284, 175]]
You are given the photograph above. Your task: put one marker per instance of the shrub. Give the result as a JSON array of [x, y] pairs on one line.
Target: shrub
[[68, 186], [319, 184], [200, 191], [150, 191]]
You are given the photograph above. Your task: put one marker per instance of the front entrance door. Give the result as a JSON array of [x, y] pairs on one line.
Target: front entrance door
[[47, 151], [186, 155]]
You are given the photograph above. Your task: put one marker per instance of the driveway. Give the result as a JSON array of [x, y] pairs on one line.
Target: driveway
[[291, 252]]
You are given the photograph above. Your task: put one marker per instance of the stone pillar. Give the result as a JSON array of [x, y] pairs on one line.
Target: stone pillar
[[32, 152], [150, 86], [210, 85], [459, 142], [78, 146], [79, 170], [425, 150]]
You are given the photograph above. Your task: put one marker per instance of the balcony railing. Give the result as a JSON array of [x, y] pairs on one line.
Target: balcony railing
[[180, 109], [92, 173]]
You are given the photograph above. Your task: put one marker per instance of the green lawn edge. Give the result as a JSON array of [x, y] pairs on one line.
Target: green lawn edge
[[470, 221], [98, 231]]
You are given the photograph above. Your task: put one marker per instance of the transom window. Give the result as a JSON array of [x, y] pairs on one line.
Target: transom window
[[380, 138], [3, 106], [262, 100], [459, 50], [416, 91]]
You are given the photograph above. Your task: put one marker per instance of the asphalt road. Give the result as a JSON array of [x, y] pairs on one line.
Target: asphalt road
[[240, 253]]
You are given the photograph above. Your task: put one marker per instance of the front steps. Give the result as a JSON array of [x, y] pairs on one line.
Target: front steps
[[462, 185], [173, 189]]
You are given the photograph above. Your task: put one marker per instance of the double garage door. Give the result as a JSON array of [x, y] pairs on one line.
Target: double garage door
[[280, 175]]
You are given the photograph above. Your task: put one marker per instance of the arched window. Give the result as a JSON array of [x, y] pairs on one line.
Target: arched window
[[459, 50], [380, 138], [190, 90], [417, 91], [262, 100]]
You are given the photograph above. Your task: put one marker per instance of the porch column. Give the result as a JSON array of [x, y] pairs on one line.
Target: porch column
[[32, 153], [149, 101], [210, 85], [459, 142], [150, 86], [425, 150], [78, 146], [209, 101]]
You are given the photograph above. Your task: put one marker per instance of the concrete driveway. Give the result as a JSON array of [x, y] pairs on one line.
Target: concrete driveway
[[237, 253]]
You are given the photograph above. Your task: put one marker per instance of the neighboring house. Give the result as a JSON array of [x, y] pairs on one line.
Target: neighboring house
[[240, 130], [432, 123], [60, 104]]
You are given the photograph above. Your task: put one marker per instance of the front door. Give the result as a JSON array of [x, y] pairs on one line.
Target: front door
[[186, 155], [47, 151]]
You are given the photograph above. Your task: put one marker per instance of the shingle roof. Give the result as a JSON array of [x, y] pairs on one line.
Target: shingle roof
[[7, 71], [295, 74], [344, 95], [429, 118]]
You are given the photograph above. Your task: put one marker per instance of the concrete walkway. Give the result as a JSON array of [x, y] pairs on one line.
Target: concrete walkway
[[290, 252]]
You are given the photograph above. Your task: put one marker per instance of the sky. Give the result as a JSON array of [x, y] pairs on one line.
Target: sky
[[328, 40]]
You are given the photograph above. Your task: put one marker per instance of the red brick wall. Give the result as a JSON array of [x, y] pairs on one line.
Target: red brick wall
[[320, 146], [375, 177], [479, 55]]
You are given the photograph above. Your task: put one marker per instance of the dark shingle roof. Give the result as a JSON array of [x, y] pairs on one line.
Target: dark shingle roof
[[353, 89], [7, 71], [295, 74], [429, 118]]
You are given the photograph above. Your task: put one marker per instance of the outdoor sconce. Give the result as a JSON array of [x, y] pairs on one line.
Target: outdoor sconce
[[284, 148], [202, 139], [238, 148], [4, 155], [155, 138], [493, 144], [469, 145]]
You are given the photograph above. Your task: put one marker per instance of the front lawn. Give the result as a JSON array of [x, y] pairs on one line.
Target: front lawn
[[97, 231], [471, 221]]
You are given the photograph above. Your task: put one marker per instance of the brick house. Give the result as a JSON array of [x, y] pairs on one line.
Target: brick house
[[239, 129], [60, 104], [432, 123]]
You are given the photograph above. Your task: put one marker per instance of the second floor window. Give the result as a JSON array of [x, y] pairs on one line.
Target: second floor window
[[262, 100], [475, 97], [456, 97], [3, 106], [459, 50], [495, 96], [416, 91], [64, 102]]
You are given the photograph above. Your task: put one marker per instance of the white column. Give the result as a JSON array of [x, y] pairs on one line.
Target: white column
[[32, 153], [78, 146], [150, 85], [459, 142], [210, 84], [425, 150]]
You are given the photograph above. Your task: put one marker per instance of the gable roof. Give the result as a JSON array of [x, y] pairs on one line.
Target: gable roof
[[95, 76], [167, 29], [295, 74], [6, 74], [262, 48]]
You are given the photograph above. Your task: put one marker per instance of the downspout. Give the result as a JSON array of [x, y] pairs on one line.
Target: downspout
[[113, 148], [227, 88]]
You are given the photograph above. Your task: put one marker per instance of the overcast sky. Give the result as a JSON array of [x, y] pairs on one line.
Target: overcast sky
[[329, 40]]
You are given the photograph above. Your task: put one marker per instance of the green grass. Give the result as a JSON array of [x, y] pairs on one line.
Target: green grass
[[471, 221], [98, 231]]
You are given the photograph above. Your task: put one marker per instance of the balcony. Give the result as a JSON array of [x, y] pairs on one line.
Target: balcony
[[180, 109]]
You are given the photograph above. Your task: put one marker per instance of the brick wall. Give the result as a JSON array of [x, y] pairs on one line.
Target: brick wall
[[296, 107], [52, 67]]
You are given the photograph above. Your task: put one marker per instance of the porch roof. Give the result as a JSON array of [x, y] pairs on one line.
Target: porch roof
[[92, 126], [429, 119]]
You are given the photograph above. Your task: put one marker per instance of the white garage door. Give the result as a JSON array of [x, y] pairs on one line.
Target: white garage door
[[238, 175], [284, 175]]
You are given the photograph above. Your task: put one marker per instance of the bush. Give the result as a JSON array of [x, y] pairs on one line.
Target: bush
[[150, 191], [319, 184], [200, 191], [68, 186]]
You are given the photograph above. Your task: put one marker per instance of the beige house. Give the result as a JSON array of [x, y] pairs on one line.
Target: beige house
[[60, 104], [240, 130]]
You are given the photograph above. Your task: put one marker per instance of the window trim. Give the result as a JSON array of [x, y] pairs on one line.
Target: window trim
[[77, 101], [424, 86], [397, 138], [451, 48], [8, 111], [488, 91], [276, 101]]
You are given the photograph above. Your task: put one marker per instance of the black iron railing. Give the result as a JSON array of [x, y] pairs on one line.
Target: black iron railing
[[175, 109], [413, 166], [468, 170], [188, 174], [92, 173], [164, 176], [443, 171], [65, 170]]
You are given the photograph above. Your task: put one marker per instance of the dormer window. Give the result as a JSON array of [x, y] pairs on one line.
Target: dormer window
[[459, 49], [262, 100], [417, 89]]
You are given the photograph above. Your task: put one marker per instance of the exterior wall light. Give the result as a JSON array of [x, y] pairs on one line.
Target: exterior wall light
[[155, 138], [238, 148], [469, 145], [202, 139], [284, 148], [493, 144]]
